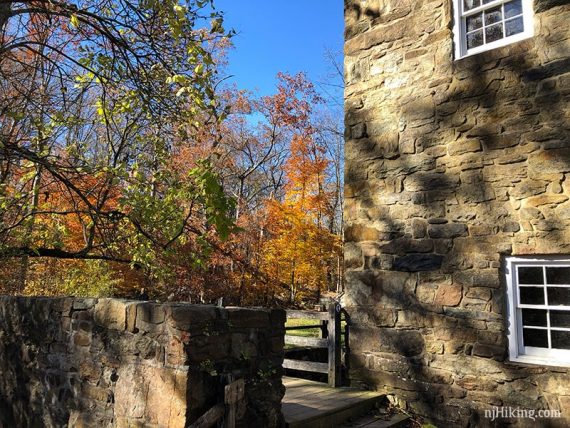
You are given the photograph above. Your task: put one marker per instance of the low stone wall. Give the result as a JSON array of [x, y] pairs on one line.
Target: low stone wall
[[116, 363]]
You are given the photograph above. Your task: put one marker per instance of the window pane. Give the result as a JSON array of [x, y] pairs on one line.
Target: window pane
[[493, 15], [470, 4], [560, 319], [534, 317], [536, 338], [514, 26], [530, 275], [487, 1], [475, 39], [474, 22], [558, 296], [558, 275], [531, 295], [513, 8], [493, 33], [560, 339]]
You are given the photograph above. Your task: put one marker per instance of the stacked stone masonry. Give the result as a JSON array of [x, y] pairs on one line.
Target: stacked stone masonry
[[451, 165], [114, 363]]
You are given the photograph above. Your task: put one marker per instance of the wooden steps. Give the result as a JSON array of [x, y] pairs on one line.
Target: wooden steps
[[309, 404], [398, 420]]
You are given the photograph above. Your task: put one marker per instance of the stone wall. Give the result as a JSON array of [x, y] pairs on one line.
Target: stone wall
[[450, 166], [113, 363]]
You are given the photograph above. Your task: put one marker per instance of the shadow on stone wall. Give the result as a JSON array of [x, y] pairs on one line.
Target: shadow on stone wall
[[107, 362], [460, 176]]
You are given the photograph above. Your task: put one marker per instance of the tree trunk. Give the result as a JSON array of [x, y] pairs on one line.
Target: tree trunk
[[25, 262]]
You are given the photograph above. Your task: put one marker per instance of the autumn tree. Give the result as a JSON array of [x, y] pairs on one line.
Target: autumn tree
[[95, 97], [274, 158], [301, 249]]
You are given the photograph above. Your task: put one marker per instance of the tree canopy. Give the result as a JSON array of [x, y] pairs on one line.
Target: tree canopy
[[96, 99], [121, 146]]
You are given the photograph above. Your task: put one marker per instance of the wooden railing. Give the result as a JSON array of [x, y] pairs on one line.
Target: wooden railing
[[330, 326]]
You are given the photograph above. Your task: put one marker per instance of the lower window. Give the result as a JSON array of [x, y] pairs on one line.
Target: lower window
[[538, 292]]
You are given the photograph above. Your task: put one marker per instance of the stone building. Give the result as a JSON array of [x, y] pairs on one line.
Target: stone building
[[458, 204]]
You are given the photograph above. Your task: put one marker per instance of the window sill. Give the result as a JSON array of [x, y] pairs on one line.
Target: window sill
[[501, 50], [534, 362]]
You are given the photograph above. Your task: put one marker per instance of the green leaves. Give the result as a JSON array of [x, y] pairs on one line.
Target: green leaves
[[169, 210], [94, 155], [217, 205]]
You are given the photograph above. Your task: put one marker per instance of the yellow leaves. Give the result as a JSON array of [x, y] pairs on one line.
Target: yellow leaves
[[180, 10], [299, 252], [100, 109], [74, 21]]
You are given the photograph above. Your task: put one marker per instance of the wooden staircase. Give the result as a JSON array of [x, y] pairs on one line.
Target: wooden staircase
[[309, 404]]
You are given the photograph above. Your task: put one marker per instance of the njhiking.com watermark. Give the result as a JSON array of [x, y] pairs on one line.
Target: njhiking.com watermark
[[508, 412]]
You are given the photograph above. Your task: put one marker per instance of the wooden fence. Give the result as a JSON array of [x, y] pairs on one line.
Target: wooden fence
[[330, 338]]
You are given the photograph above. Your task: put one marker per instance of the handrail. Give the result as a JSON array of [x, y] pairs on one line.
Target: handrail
[[330, 339]]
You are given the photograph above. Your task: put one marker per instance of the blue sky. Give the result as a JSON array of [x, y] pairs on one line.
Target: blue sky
[[281, 35]]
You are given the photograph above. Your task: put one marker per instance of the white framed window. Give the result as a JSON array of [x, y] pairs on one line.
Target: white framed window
[[538, 295], [481, 25]]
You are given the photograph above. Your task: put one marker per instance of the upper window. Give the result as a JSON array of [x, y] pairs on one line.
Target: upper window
[[538, 293], [482, 25]]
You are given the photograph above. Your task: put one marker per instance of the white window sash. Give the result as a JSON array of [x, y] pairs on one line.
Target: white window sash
[[460, 30], [517, 351]]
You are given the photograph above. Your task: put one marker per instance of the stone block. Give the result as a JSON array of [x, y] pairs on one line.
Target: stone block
[[278, 317], [81, 338], [417, 262], [248, 318], [554, 161], [381, 317], [483, 230], [462, 147], [528, 188], [243, 347], [149, 317], [467, 314], [478, 293], [111, 314], [131, 317], [476, 383], [431, 181], [358, 131], [129, 423], [130, 377], [96, 393], [155, 394], [83, 304], [358, 233], [83, 419], [488, 351], [451, 230], [183, 317], [426, 293], [406, 245], [448, 295], [489, 278], [546, 199], [353, 257], [419, 228]]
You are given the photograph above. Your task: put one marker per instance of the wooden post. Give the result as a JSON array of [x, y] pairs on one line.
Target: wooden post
[[234, 393], [334, 345], [324, 329]]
